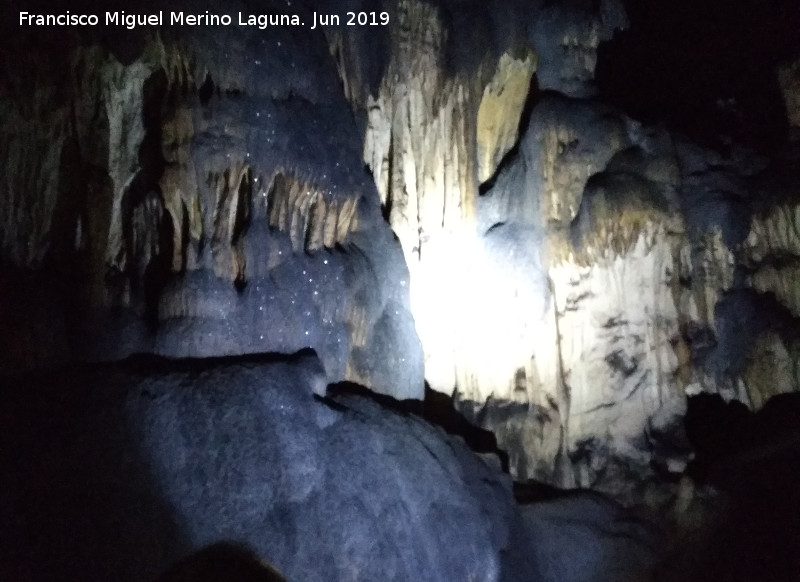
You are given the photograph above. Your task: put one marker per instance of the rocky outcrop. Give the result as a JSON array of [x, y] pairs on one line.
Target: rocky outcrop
[[439, 120], [566, 36], [200, 196], [600, 201], [208, 469], [140, 464]]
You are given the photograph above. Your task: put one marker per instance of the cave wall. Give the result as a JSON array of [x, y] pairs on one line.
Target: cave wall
[[568, 273], [194, 192], [577, 274]]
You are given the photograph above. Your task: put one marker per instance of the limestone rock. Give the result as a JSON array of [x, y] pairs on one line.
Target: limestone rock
[[500, 110], [566, 36], [117, 471], [572, 274], [440, 120], [204, 198], [608, 270], [772, 249], [598, 196], [503, 252]]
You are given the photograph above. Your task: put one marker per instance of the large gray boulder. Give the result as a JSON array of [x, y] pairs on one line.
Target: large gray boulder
[[115, 473]]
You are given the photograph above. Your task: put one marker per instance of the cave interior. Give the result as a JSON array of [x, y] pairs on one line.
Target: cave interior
[[430, 290]]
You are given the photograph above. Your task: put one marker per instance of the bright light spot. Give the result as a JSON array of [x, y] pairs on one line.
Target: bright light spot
[[479, 314]]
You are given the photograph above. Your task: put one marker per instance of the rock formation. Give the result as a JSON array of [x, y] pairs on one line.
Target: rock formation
[[465, 198], [200, 196], [168, 458], [572, 288]]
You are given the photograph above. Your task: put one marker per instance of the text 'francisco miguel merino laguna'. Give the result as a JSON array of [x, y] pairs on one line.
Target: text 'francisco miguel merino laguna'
[[262, 21]]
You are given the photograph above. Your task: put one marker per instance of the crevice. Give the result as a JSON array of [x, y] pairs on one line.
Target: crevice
[[206, 90], [563, 391], [436, 409], [389, 203], [147, 229]]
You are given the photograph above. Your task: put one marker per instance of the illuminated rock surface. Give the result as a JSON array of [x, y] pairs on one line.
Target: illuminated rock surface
[[203, 196], [114, 473], [144, 462], [572, 297], [451, 199]]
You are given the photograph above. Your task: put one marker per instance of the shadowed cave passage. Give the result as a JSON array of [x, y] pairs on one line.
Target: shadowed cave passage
[[754, 460]]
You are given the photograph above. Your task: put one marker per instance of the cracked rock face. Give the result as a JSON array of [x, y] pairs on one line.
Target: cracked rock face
[[204, 197]]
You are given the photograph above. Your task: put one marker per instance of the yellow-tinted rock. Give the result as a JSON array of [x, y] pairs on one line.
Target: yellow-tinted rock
[[500, 110], [302, 210]]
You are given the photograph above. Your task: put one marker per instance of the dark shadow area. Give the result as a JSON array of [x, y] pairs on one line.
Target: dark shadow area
[[77, 500], [704, 66], [531, 491], [437, 409], [31, 337], [754, 459], [144, 364], [222, 562]]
